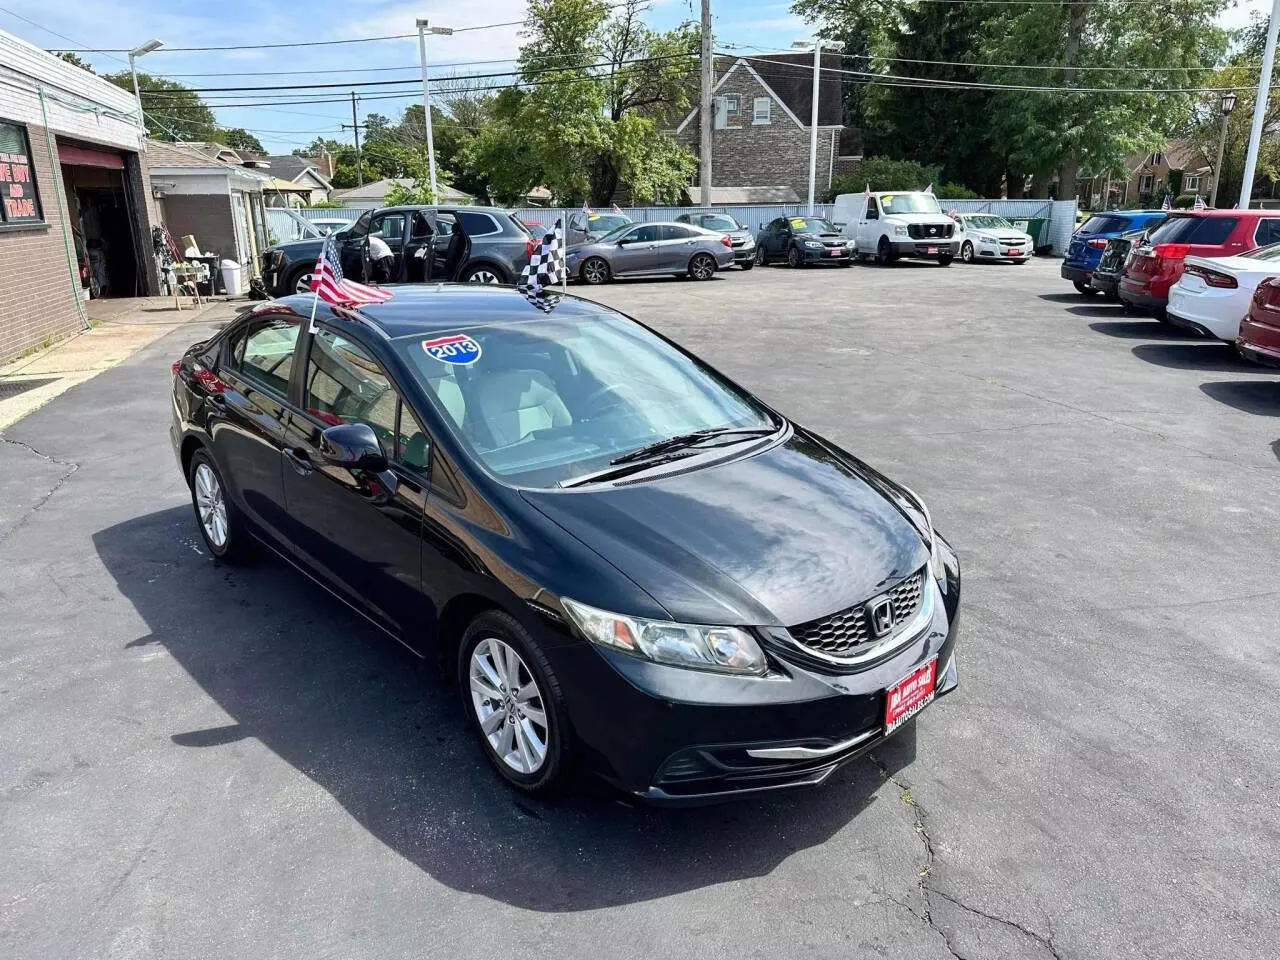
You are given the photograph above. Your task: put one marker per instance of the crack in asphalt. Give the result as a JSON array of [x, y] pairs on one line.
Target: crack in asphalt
[[72, 467], [928, 891]]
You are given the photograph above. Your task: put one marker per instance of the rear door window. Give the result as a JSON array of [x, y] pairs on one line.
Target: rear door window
[[1209, 231], [1268, 231], [264, 353], [477, 224], [1104, 224], [672, 232]]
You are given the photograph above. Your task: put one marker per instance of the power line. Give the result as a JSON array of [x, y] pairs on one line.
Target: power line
[[61, 36]]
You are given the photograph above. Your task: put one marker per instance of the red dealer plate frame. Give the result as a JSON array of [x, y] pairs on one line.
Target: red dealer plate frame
[[910, 695], [933, 249]]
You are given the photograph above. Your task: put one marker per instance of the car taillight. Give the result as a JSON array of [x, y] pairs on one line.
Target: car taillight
[[726, 241], [1212, 278], [175, 367], [1171, 251], [1099, 244], [529, 247]]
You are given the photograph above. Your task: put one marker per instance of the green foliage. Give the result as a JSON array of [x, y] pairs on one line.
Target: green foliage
[[75, 61], [1175, 182], [418, 193], [171, 110], [1183, 203], [956, 191], [238, 138], [883, 173], [327, 204]]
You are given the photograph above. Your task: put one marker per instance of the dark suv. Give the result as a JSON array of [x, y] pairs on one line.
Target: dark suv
[[500, 247]]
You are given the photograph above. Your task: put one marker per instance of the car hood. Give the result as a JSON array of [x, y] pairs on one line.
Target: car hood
[[939, 218], [819, 235], [1002, 234], [298, 249], [774, 539]]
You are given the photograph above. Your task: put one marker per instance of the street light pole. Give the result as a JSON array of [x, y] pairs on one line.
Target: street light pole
[[1260, 107], [136, 52], [1227, 104], [813, 117], [423, 29]]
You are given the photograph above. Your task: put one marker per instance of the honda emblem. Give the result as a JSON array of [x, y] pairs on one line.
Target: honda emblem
[[880, 616]]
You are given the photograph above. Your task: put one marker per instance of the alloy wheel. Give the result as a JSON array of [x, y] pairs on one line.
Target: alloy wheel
[[793, 257], [702, 267], [760, 257], [595, 270], [966, 252], [303, 284], [212, 505], [483, 275], [509, 706]]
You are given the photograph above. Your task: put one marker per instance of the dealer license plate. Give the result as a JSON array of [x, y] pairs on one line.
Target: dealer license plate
[[836, 253], [933, 249], [1013, 252], [909, 695]]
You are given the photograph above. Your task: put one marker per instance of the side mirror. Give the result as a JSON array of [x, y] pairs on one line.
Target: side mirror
[[353, 446]]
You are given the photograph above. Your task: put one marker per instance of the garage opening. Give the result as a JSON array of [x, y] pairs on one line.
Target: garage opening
[[100, 205]]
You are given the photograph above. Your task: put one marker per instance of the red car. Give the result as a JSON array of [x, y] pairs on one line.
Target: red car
[[1259, 338], [1156, 263]]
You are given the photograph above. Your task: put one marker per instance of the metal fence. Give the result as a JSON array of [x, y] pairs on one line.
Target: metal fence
[[1060, 213]]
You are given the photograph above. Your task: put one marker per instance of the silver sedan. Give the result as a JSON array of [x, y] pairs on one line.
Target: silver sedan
[[650, 249]]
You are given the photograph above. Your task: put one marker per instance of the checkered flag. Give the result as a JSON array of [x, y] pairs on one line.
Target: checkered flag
[[541, 299], [546, 267]]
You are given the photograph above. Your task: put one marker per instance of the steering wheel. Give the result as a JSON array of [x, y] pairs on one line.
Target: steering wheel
[[616, 389]]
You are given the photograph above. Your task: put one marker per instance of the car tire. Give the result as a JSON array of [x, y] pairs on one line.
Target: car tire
[[762, 258], [966, 252], [1161, 314], [530, 754], [793, 258], [847, 263], [595, 271], [483, 273], [748, 264], [884, 252], [945, 260], [221, 527], [300, 280], [1111, 296], [1084, 289], [702, 266]]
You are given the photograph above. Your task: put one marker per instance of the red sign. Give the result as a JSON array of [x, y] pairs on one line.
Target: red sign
[[909, 695], [21, 203]]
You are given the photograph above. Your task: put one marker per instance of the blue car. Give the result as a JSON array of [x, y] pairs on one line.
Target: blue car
[[1087, 243]]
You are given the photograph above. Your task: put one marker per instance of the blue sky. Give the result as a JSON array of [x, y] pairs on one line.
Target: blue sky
[[760, 24]]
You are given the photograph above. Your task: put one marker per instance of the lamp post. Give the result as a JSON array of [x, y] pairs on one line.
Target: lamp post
[[423, 29], [1260, 106], [136, 52], [1227, 104], [818, 44]]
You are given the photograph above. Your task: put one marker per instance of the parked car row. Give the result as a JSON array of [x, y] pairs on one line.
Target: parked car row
[[1214, 272]]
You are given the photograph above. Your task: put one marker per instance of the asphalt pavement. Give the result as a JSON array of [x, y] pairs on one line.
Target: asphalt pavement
[[197, 761]]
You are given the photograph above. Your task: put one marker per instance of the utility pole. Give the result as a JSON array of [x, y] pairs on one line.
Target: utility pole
[[423, 29], [708, 69], [355, 127], [1260, 107]]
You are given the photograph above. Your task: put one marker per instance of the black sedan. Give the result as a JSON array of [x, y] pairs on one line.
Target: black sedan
[[803, 241], [630, 564]]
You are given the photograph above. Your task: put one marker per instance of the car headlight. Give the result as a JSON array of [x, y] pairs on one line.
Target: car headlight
[[813, 244], [277, 258], [899, 231], [721, 649]]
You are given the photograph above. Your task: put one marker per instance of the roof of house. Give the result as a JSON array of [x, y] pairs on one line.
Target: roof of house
[[378, 190], [289, 167], [196, 157], [1179, 154], [285, 186], [790, 84], [731, 196]]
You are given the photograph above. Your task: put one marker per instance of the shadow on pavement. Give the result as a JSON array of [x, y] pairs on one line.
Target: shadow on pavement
[[1100, 308], [1143, 330], [1065, 297], [1252, 396], [386, 737], [1201, 355]]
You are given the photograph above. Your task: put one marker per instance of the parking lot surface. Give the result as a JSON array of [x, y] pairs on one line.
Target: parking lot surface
[[205, 762]]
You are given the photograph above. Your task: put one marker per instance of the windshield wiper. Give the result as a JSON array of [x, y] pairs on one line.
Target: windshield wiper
[[653, 454], [690, 440]]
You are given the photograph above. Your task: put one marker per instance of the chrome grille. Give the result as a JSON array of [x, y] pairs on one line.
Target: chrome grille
[[843, 633]]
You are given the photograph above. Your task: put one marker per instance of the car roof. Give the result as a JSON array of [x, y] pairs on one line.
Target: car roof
[[1219, 213], [416, 309]]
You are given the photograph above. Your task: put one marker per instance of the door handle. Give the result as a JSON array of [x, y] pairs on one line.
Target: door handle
[[299, 460]]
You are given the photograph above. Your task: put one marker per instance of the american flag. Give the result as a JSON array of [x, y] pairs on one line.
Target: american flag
[[1165, 205], [617, 210], [1199, 204], [328, 283]]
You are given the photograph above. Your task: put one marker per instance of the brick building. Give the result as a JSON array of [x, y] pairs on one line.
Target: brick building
[[75, 202], [760, 125]]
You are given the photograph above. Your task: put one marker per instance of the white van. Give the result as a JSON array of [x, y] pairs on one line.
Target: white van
[[888, 224]]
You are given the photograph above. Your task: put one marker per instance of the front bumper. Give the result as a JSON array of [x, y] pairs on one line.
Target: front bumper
[[921, 248], [744, 254], [827, 254], [673, 736]]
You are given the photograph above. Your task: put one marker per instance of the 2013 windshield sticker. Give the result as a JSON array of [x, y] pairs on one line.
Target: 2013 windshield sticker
[[458, 349]]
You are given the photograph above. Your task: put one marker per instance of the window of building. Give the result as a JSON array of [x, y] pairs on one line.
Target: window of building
[[762, 110], [1144, 183], [1191, 184], [19, 201], [727, 111]]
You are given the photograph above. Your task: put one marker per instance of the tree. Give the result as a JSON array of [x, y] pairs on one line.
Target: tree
[[75, 61], [238, 138], [171, 111]]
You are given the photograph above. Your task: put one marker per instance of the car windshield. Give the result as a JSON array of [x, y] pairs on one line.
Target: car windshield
[[1103, 224], [909, 203], [606, 222], [987, 221], [1193, 229], [812, 225], [1266, 254], [560, 397], [717, 221]]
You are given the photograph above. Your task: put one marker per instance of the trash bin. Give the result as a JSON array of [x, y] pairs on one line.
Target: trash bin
[[1037, 228], [231, 278]]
